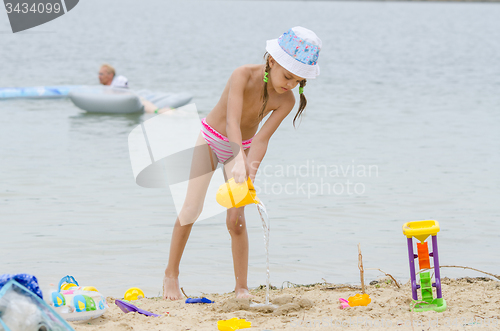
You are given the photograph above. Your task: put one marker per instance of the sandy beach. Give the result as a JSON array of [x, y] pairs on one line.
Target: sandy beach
[[472, 303]]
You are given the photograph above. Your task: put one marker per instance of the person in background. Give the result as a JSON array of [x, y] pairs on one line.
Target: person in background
[[107, 76]]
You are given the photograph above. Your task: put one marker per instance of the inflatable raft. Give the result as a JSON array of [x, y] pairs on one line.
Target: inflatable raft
[[106, 100], [123, 101], [38, 92], [99, 99], [164, 100]]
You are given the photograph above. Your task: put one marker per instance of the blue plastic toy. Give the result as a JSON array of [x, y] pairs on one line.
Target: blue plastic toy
[[199, 300]]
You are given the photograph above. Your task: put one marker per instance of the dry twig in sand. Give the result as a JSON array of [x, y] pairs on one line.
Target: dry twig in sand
[[385, 273], [457, 266], [290, 284], [361, 271], [341, 286]]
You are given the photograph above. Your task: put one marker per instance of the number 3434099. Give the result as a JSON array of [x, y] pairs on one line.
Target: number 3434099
[[25, 8]]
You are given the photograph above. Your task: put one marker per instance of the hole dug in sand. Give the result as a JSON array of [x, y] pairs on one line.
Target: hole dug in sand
[[281, 305]]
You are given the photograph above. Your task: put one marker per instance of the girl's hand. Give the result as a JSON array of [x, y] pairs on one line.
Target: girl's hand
[[239, 171]]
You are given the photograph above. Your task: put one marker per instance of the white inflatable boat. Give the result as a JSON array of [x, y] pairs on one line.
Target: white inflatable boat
[[105, 99]]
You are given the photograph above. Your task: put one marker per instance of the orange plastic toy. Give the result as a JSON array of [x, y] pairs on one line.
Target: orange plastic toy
[[423, 256], [359, 300]]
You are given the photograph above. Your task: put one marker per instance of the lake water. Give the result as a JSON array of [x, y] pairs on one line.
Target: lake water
[[408, 97]]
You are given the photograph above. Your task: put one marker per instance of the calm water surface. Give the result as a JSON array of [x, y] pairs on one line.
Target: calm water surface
[[408, 92]]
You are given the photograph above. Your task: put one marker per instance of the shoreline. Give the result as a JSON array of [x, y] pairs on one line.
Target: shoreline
[[471, 302]]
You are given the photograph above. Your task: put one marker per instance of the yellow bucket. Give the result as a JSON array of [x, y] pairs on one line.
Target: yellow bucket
[[235, 195]]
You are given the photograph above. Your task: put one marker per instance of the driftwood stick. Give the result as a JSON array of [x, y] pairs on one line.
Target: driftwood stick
[[341, 286], [457, 266], [361, 270], [385, 273], [184, 292]]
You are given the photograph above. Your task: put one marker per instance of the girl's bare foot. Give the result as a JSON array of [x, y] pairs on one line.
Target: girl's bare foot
[[243, 293], [171, 289]]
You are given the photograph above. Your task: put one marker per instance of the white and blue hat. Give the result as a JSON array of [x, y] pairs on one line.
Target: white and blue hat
[[297, 50]]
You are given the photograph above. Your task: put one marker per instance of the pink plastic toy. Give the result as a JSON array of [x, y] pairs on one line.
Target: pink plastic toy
[[344, 303]]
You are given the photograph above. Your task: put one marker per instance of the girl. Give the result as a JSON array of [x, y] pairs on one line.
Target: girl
[[230, 129]]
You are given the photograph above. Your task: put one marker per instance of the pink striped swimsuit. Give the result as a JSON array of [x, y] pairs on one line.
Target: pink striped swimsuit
[[219, 143]]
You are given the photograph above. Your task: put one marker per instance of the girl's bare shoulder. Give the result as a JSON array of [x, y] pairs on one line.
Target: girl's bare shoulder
[[248, 71]]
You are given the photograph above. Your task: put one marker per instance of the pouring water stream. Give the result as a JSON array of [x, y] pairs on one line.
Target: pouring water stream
[[266, 227]]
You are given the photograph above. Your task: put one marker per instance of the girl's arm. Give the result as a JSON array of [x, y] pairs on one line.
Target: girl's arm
[[239, 79], [261, 140]]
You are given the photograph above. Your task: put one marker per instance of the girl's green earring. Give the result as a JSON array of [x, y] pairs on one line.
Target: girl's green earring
[[301, 90], [265, 77]]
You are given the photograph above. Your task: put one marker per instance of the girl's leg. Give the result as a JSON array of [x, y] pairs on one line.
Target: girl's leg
[[202, 168], [180, 235], [237, 228], [236, 225]]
